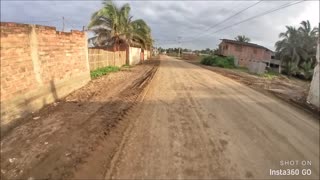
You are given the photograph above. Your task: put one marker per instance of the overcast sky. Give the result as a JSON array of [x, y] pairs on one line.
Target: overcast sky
[[191, 22]]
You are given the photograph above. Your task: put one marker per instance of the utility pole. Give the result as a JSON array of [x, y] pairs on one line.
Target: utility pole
[[62, 23], [179, 42]]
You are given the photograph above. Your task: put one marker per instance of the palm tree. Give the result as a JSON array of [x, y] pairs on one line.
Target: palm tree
[[297, 49], [290, 49], [242, 38], [309, 36], [113, 26]]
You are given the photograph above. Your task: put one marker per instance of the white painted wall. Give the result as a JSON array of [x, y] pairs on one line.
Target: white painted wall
[[145, 54], [134, 55], [313, 96]]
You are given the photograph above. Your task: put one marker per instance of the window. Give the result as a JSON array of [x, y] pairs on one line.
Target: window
[[238, 48], [226, 47]]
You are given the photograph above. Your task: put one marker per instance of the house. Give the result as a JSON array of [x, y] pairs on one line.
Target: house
[[244, 52]]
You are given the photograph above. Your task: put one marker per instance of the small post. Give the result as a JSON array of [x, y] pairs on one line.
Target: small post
[[62, 23]]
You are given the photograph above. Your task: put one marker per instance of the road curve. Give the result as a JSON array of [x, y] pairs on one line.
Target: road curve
[[194, 123]]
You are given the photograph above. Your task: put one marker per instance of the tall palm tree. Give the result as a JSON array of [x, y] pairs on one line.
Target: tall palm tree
[[113, 26], [297, 49], [309, 36], [242, 38]]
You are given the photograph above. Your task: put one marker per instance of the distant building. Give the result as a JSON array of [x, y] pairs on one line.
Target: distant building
[[243, 52]]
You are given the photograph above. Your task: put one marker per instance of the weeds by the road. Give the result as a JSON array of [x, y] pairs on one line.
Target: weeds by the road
[[103, 71], [270, 75], [224, 62], [126, 66]]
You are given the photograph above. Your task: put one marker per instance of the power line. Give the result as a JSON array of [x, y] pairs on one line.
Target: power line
[[259, 15], [256, 16], [228, 18]]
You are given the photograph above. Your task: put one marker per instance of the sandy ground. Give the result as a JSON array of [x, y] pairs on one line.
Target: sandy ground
[[196, 124], [77, 136], [291, 90], [187, 123]]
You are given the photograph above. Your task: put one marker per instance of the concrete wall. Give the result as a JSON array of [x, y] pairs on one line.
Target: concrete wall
[[246, 55], [314, 96], [145, 54], [257, 67], [38, 66], [101, 58], [134, 55], [148, 54]]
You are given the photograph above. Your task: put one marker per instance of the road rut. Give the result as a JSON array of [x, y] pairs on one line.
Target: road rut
[[194, 123]]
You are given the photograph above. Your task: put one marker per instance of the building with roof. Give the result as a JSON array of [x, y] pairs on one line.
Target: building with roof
[[244, 52]]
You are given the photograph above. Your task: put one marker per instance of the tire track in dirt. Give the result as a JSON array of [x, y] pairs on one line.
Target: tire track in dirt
[[196, 124], [87, 128]]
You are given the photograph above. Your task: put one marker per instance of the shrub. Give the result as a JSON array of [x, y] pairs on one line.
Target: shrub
[[224, 62], [103, 71], [207, 60], [270, 75]]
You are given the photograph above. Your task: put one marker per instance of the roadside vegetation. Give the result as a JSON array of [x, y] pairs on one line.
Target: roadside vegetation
[[224, 62], [242, 38], [297, 50], [103, 71], [113, 26], [270, 75], [228, 62]]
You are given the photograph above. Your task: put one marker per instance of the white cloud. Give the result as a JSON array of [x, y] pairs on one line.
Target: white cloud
[[171, 19]]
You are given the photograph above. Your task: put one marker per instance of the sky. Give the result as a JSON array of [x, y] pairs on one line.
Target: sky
[[187, 24]]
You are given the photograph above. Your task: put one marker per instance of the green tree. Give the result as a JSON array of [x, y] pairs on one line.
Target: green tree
[[113, 26], [242, 38], [297, 49]]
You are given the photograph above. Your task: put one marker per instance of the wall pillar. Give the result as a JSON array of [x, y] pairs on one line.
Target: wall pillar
[[313, 96], [34, 54]]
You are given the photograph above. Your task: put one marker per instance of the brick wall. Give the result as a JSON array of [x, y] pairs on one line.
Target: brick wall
[[246, 55], [38, 66], [102, 57]]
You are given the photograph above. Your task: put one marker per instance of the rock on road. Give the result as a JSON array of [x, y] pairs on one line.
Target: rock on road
[[194, 123]]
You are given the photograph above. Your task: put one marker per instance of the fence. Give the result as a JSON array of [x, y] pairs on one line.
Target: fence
[[101, 58], [38, 66]]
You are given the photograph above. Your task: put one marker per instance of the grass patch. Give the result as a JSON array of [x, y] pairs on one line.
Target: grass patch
[[270, 75], [126, 66], [103, 71], [242, 69], [224, 62]]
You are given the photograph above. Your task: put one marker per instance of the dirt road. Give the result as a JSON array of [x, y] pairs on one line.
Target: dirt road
[[77, 136], [194, 123]]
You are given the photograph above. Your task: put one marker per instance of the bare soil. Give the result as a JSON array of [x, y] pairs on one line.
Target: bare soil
[[291, 90], [187, 123], [197, 124], [77, 136]]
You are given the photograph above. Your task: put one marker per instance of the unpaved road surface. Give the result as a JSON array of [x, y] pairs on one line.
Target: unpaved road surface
[[292, 90], [196, 124], [76, 137], [187, 122]]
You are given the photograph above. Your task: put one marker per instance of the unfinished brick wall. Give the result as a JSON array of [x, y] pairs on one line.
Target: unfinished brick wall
[[102, 57], [244, 54], [38, 66]]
